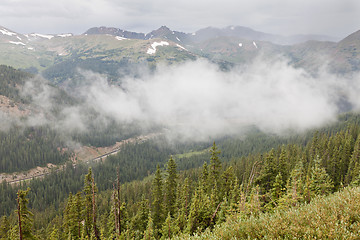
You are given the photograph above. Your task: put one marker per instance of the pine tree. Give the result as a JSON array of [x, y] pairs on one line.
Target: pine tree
[[221, 211], [268, 172], [73, 216], [4, 228], [25, 217], [253, 204], [67, 215], [235, 193], [277, 190], [314, 147], [158, 199], [170, 187], [205, 173], [118, 213], [169, 228], [121, 219], [78, 206], [354, 165], [227, 181], [204, 180], [320, 182], [90, 206], [54, 235], [13, 233], [295, 185], [215, 203], [215, 164], [200, 211], [183, 204], [283, 164], [149, 232], [88, 210], [139, 221]]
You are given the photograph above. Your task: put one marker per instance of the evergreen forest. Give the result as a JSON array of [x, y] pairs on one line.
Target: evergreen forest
[[304, 185]]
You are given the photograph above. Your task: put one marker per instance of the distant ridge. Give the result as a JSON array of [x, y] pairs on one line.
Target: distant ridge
[[210, 33], [109, 48]]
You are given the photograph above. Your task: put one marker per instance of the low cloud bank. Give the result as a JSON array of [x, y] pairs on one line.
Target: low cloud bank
[[199, 101], [196, 99]]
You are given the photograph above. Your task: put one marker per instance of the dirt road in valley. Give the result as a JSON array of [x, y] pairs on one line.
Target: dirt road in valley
[[81, 154]]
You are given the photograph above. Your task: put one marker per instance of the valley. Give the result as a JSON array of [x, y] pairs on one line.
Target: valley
[[82, 154]]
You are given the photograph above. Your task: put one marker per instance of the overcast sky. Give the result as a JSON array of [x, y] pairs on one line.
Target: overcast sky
[[336, 18]]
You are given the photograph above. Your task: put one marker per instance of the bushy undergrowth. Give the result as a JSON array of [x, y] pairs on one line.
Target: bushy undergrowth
[[333, 217]]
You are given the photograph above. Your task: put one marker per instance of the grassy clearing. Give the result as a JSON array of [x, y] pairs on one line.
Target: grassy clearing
[[190, 154]]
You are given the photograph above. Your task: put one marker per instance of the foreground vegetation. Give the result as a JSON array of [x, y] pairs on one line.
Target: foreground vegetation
[[332, 217]]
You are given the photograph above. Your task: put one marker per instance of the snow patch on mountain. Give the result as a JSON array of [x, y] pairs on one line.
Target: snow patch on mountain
[[7, 32], [178, 39], [152, 50], [65, 35], [41, 35], [240, 44], [254, 43], [17, 43], [120, 38], [179, 46]]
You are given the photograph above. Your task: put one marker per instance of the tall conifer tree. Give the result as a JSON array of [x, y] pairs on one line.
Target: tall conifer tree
[[90, 206], [25, 217], [170, 187], [215, 164], [157, 201]]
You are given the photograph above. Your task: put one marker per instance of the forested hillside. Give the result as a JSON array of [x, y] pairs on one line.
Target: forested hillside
[[34, 115], [10, 82], [173, 201], [24, 147]]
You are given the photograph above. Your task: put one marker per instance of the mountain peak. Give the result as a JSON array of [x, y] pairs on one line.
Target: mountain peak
[[8, 32], [164, 28], [104, 30], [351, 43], [161, 32], [354, 36], [114, 31]]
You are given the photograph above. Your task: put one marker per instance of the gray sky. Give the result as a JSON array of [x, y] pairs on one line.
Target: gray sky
[[337, 18]]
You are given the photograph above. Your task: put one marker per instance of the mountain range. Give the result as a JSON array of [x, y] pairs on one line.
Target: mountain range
[[108, 49], [210, 33]]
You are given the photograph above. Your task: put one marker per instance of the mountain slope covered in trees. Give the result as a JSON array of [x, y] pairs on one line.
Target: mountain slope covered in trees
[[24, 147]]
